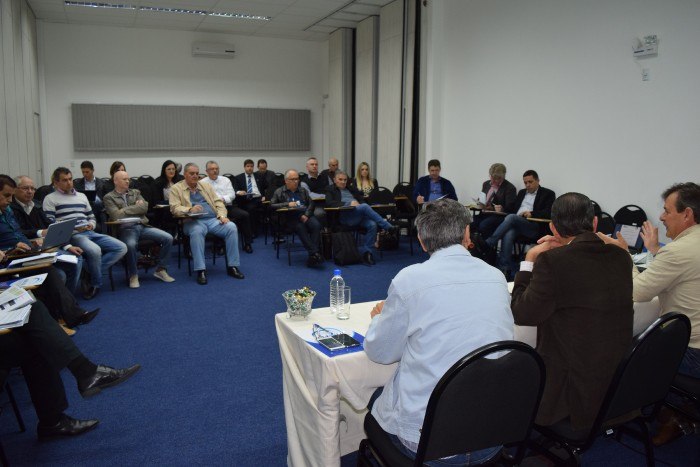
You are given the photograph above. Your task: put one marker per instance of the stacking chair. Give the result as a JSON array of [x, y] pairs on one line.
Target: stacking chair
[[688, 388], [41, 193], [635, 394], [480, 402], [282, 231], [606, 223], [406, 210], [630, 214], [15, 409]]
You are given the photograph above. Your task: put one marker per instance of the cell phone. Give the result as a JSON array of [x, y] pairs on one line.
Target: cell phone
[[339, 341]]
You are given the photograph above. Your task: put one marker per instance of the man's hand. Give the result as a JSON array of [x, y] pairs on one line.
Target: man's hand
[[139, 202], [292, 204], [21, 246], [420, 199], [304, 218], [44, 232], [37, 241], [2, 256], [498, 208], [546, 243], [377, 309], [224, 220], [619, 241], [526, 214], [354, 202], [650, 235], [196, 208], [241, 193], [77, 251]]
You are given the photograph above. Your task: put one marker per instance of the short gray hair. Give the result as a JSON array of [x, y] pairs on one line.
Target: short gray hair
[[191, 164], [497, 170], [206, 166], [286, 174], [339, 172], [442, 223]]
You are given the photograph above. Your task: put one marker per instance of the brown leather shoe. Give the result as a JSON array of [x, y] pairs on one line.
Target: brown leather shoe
[[667, 432]]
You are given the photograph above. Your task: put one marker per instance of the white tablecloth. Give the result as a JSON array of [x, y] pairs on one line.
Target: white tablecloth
[[325, 398]]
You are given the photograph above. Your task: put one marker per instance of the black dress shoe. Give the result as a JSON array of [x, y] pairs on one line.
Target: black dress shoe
[[368, 258], [233, 271], [248, 248], [85, 318], [91, 293], [67, 426], [202, 277], [105, 377]]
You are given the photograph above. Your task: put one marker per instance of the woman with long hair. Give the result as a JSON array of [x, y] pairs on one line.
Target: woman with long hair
[[363, 180]]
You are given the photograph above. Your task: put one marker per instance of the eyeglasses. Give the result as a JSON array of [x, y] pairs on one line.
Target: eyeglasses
[[27, 188], [293, 179]]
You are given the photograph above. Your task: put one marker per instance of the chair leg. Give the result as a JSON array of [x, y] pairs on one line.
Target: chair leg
[[3, 457], [15, 408]]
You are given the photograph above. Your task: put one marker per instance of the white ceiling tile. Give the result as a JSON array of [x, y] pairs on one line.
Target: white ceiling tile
[[178, 18], [371, 10]]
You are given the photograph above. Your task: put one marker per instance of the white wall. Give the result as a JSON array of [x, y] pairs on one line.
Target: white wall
[[552, 85], [97, 64]]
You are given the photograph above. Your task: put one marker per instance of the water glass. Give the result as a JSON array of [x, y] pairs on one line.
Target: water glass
[[344, 311]]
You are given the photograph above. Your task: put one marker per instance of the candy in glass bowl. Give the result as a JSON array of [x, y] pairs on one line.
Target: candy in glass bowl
[[299, 301]]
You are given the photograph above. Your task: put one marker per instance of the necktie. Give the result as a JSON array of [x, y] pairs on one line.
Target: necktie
[[250, 185]]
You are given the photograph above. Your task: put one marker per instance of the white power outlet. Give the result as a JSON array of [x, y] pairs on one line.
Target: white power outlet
[[645, 74]]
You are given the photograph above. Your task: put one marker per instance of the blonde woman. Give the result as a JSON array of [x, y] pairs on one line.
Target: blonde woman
[[363, 181]]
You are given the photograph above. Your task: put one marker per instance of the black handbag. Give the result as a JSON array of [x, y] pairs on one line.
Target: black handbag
[[345, 250]]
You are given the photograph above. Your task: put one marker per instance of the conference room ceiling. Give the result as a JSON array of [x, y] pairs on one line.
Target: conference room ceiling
[[293, 19]]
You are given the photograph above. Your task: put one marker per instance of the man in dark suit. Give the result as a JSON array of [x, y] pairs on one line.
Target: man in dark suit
[[250, 192], [534, 202], [269, 177], [89, 184], [432, 186], [339, 194], [500, 197], [42, 349], [578, 292]]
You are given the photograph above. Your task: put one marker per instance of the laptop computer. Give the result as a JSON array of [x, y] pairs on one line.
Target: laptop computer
[[58, 234], [91, 195]]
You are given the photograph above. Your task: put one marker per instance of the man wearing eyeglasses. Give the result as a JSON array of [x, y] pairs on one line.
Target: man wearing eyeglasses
[[34, 224], [300, 219]]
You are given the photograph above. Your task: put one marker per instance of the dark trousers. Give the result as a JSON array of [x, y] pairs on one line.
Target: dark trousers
[[254, 208], [487, 224], [41, 349], [309, 232], [242, 220], [58, 299]]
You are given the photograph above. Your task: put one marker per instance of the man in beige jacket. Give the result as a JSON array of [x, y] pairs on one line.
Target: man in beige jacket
[[674, 275], [206, 213]]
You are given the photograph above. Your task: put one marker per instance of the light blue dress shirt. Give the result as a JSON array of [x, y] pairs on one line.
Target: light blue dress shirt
[[436, 313]]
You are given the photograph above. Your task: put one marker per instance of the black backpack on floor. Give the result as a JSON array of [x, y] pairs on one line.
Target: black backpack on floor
[[345, 250]]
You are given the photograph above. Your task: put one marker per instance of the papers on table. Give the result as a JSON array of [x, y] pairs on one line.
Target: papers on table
[[31, 281], [68, 258], [15, 306], [33, 260]]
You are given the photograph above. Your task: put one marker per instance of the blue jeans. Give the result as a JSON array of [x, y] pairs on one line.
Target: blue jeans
[[469, 458], [690, 365], [487, 223], [368, 218], [131, 234], [199, 228], [512, 226], [70, 271], [100, 252]]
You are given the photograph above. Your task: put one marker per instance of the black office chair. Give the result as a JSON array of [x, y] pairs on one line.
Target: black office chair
[[596, 209], [635, 394], [479, 403], [41, 193], [281, 230], [630, 214]]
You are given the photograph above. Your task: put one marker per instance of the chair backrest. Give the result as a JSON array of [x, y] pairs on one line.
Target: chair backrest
[[403, 189], [147, 186], [596, 209], [380, 195], [407, 206], [483, 402], [41, 193], [606, 223], [645, 374], [630, 215]]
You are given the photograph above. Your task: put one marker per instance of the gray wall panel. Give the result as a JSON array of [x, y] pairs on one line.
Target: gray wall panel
[[106, 127]]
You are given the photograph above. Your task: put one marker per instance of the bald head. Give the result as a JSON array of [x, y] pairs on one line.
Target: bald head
[[121, 181]]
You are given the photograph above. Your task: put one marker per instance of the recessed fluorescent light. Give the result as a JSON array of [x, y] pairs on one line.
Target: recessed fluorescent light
[[169, 10], [100, 5]]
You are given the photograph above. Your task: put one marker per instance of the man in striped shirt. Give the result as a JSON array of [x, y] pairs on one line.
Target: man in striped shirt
[[100, 251]]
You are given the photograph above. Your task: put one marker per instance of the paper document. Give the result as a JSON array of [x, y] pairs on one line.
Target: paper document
[[15, 305], [481, 198], [32, 259], [70, 258], [128, 220], [31, 281], [630, 233]]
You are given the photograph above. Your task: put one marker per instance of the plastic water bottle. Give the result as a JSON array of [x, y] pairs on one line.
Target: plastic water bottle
[[337, 285]]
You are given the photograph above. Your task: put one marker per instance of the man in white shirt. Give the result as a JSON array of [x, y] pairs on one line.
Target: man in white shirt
[[224, 189], [436, 313]]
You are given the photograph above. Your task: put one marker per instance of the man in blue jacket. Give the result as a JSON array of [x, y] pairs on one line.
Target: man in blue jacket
[[432, 186]]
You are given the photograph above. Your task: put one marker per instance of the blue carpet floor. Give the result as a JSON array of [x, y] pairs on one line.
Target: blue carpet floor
[[210, 390]]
